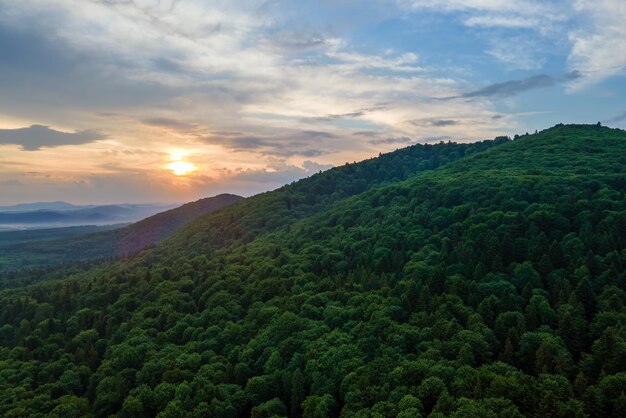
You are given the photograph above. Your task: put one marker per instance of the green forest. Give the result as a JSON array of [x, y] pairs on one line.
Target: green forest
[[445, 280]]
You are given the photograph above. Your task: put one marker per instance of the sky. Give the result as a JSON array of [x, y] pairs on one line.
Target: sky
[[113, 101]]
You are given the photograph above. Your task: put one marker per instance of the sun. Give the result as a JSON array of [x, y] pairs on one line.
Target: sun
[[180, 167]]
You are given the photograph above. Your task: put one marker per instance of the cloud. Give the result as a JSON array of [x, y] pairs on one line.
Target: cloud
[[599, 42], [38, 136], [170, 124], [200, 64], [515, 6], [382, 138], [619, 118], [350, 115], [517, 52], [370, 134], [444, 122], [522, 33], [572, 75], [516, 14], [512, 87], [435, 122], [277, 173], [510, 22], [301, 143], [297, 40], [352, 61], [594, 28], [391, 140], [317, 135], [237, 84], [42, 76]]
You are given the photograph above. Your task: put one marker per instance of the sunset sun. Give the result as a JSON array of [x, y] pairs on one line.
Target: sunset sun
[[179, 167]]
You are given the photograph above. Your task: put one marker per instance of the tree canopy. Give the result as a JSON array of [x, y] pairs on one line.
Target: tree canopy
[[461, 280]]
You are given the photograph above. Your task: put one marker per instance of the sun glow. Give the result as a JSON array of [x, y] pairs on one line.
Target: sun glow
[[179, 167]]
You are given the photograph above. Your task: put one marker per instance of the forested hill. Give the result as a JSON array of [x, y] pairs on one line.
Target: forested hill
[[490, 285], [258, 214], [282, 207], [108, 243]]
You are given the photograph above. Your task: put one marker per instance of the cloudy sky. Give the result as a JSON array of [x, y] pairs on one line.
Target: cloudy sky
[[107, 100]]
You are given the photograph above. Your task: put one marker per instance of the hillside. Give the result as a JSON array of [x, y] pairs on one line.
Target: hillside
[[110, 243], [264, 212], [480, 280]]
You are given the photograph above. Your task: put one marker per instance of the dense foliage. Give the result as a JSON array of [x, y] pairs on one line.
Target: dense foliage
[[481, 285]]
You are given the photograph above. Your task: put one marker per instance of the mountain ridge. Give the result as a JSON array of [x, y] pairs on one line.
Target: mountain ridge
[[37, 206], [79, 215]]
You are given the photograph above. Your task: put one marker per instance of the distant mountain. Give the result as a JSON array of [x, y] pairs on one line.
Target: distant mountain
[[65, 214], [28, 207], [108, 243]]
